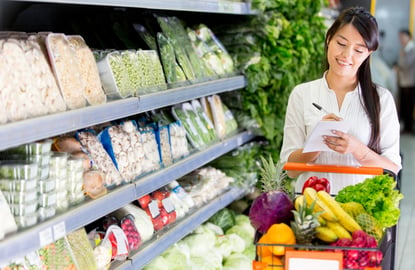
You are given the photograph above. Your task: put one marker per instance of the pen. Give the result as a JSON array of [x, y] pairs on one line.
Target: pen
[[320, 108]]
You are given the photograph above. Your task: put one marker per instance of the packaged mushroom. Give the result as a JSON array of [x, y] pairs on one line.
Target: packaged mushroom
[[17, 82], [65, 67], [117, 144], [87, 65], [46, 82], [100, 157], [163, 138], [178, 141], [150, 147], [136, 153]]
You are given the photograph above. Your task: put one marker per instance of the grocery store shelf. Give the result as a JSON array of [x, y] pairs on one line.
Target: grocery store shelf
[[78, 216], [158, 179], [23, 242], [210, 6], [182, 228], [30, 130]]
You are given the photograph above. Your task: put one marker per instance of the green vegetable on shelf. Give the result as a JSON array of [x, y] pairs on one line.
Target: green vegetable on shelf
[[191, 131], [120, 74], [168, 59]]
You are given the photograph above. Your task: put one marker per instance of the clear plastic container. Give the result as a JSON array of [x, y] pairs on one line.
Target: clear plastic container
[[18, 185], [46, 212], [18, 170], [88, 69], [151, 71], [59, 160], [114, 76], [25, 209], [62, 202], [75, 177], [65, 67], [26, 221], [43, 172], [36, 148], [75, 164], [74, 187], [48, 199], [76, 197], [20, 197], [61, 184], [41, 159], [46, 185]]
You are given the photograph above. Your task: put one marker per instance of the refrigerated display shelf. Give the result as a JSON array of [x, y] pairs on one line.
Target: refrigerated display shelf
[[210, 6], [30, 130], [181, 229], [24, 241]]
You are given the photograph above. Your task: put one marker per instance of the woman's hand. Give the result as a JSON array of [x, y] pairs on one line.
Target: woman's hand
[[343, 143], [331, 117]]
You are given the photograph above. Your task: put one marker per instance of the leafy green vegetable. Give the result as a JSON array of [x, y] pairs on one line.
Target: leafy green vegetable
[[237, 261], [280, 47], [225, 219], [378, 196]]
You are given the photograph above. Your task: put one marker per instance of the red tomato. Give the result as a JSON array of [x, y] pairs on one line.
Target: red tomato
[[144, 201], [159, 196]]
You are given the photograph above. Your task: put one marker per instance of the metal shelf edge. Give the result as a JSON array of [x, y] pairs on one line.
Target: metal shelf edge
[[33, 238], [33, 129], [30, 130], [85, 213]]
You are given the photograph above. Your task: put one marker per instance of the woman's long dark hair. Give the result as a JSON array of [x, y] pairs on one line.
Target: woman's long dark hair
[[367, 26]]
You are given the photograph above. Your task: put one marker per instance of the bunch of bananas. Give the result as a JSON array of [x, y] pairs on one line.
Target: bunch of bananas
[[335, 222]]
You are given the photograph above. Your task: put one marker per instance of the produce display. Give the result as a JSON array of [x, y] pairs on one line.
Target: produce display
[[274, 205], [100, 157], [172, 70], [205, 183], [66, 70], [350, 222], [211, 246], [317, 184], [88, 69]]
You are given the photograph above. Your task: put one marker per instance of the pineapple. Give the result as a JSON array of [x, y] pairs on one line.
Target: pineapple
[[273, 177], [305, 223]]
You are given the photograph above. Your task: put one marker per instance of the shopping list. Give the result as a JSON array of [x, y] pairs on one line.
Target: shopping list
[[315, 141]]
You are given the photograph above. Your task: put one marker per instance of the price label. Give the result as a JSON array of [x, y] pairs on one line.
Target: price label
[[45, 237], [168, 205], [59, 230], [300, 260], [154, 208]]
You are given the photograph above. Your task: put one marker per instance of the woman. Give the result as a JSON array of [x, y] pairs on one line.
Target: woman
[[346, 90]]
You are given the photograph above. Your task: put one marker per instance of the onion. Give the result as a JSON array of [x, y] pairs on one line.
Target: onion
[[270, 208]]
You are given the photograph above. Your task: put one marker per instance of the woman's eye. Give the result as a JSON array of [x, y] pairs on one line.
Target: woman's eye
[[341, 44], [359, 51]]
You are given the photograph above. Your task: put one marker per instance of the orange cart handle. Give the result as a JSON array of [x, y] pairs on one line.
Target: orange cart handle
[[295, 166]]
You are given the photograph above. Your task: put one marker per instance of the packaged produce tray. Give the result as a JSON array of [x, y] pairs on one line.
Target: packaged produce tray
[[320, 255]]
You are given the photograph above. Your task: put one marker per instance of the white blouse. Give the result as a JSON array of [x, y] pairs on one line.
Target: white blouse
[[302, 116]]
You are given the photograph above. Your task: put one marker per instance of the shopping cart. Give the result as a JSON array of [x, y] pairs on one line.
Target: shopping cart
[[387, 244]]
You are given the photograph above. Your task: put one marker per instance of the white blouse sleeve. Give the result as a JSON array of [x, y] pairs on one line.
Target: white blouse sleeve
[[294, 127], [389, 128]]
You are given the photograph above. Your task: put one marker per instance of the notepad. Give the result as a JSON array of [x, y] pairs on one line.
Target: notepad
[[315, 141]]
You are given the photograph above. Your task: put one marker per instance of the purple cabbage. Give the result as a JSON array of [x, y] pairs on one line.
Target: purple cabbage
[[270, 208]]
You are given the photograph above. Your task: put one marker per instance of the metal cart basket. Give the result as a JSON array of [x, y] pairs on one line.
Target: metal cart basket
[[387, 245]]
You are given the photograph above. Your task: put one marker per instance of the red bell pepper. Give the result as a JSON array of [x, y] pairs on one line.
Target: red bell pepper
[[317, 183]]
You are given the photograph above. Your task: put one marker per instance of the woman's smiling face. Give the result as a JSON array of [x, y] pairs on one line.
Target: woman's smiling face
[[346, 51]]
